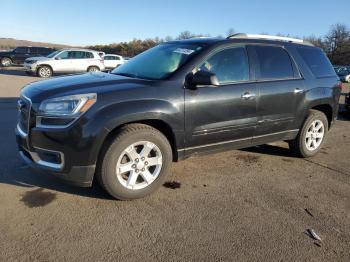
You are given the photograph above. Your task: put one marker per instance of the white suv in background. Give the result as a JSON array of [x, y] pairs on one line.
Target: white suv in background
[[65, 61], [113, 61]]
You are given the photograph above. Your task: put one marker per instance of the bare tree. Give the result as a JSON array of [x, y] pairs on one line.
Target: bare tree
[[337, 44]]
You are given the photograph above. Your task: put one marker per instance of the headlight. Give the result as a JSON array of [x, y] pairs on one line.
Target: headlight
[[67, 106]]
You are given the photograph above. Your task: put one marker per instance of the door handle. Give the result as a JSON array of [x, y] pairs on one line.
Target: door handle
[[247, 95], [298, 91]]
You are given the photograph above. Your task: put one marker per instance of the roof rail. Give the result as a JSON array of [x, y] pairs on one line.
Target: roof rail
[[268, 37]]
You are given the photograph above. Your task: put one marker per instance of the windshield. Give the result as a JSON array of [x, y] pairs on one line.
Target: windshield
[[51, 55], [158, 62]]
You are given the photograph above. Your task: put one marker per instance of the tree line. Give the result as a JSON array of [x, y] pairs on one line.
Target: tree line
[[336, 43]]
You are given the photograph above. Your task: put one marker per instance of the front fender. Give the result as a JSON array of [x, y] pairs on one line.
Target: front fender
[[112, 116]]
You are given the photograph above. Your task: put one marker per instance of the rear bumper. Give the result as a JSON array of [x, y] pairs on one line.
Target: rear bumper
[[53, 163]]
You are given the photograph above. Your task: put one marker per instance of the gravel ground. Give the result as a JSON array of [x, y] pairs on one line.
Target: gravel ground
[[243, 205]]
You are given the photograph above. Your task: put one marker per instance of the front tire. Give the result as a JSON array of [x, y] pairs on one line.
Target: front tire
[[311, 136], [44, 71], [5, 61], [136, 162]]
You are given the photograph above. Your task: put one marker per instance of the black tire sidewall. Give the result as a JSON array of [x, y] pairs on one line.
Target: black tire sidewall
[[314, 115], [97, 69], [109, 177]]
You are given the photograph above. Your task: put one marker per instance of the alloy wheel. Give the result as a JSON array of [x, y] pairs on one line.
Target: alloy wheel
[[139, 165], [314, 135]]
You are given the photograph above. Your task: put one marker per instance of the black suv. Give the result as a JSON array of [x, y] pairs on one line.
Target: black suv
[[179, 98], [21, 53]]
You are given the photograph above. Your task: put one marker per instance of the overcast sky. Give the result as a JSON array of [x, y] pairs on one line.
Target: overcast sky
[[79, 22]]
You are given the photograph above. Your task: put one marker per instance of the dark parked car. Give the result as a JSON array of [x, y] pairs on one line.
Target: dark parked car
[[21, 53], [177, 99], [344, 75]]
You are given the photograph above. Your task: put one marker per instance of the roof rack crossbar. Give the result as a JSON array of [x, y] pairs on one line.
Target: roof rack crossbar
[[268, 37]]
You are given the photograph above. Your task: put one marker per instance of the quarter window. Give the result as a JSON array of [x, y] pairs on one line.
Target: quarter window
[[273, 63], [317, 61], [229, 65]]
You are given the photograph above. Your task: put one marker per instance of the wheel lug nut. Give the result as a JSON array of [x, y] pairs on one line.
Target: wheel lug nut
[[136, 160], [146, 163], [137, 170], [133, 166], [143, 158], [143, 169]]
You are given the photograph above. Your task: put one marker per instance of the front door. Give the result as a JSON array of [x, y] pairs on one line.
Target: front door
[[64, 62], [224, 115]]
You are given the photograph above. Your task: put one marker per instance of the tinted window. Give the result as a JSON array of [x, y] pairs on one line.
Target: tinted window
[[34, 50], [21, 50], [229, 65], [274, 63], [317, 61], [89, 55], [78, 54]]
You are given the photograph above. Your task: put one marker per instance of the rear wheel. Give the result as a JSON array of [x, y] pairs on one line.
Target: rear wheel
[[93, 69], [311, 136], [136, 163], [44, 71], [5, 61]]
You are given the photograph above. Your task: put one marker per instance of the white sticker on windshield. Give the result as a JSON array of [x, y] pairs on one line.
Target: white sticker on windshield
[[183, 51]]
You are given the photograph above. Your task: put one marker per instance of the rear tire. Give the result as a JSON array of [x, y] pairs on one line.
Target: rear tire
[[135, 163], [93, 69], [5, 61], [44, 71], [311, 136]]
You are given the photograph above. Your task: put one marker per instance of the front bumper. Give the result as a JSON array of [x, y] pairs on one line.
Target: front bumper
[[30, 67], [53, 162]]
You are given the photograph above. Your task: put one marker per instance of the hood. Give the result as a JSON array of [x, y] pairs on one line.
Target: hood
[[38, 58], [79, 84]]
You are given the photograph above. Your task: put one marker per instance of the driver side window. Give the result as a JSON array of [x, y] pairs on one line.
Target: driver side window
[[63, 55], [229, 65]]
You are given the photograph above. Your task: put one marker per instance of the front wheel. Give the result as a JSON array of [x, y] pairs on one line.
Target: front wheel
[[44, 71], [311, 136], [136, 162]]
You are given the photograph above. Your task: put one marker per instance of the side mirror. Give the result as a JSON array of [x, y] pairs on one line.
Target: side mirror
[[57, 58], [201, 78]]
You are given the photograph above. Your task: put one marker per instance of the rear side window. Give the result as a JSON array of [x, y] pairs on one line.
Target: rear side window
[[317, 61], [89, 55], [273, 63]]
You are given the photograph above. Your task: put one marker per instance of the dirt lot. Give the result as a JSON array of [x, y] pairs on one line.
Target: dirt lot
[[253, 204]]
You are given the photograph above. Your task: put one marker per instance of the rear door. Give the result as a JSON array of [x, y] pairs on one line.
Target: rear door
[[21, 54], [280, 87], [224, 115]]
